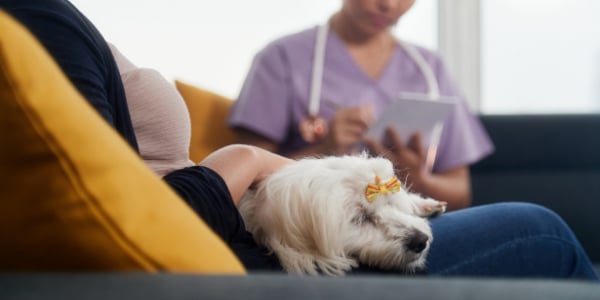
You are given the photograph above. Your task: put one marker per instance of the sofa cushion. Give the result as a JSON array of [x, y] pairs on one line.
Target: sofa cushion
[[74, 195], [208, 113], [542, 142], [552, 160]]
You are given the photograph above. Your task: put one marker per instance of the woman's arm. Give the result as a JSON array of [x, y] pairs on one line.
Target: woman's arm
[[346, 128], [452, 186], [250, 138], [242, 166]]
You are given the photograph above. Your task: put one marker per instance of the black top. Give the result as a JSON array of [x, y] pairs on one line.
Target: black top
[[86, 59], [82, 54], [206, 192]]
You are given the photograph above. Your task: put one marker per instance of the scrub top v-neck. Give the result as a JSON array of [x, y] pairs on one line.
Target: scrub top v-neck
[[275, 94]]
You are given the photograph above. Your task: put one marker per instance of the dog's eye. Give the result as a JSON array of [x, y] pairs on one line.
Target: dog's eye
[[363, 218]]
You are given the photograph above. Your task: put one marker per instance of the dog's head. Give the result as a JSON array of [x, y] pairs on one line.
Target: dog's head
[[381, 227], [339, 210]]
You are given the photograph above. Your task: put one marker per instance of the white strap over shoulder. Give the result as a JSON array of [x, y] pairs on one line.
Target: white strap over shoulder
[[433, 90], [433, 93], [317, 70]]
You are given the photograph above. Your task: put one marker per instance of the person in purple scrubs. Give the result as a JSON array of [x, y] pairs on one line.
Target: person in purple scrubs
[[364, 69]]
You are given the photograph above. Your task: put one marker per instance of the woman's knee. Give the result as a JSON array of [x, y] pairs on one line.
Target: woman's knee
[[531, 217], [507, 219], [534, 211]]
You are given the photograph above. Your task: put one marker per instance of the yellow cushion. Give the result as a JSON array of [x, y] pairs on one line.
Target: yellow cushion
[[208, 112], [74, 195]]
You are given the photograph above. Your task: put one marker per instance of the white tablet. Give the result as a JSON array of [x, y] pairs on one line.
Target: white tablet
[[411, 114]]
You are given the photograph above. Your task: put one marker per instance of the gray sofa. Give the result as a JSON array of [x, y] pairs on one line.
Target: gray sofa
[[282, 287], [551, 160]]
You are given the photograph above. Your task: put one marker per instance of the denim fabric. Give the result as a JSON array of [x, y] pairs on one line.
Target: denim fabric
[[506, 240]]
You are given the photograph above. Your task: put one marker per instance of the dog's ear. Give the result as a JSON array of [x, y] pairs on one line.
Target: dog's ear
[[307, 203]]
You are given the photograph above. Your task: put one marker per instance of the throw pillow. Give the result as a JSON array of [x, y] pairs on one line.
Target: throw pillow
[[208, 113], [74, 195]]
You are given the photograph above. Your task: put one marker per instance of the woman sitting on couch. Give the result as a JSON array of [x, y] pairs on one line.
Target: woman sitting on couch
[[511, 239]]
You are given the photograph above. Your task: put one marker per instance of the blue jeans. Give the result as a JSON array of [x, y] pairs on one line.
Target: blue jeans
[[506, 240]]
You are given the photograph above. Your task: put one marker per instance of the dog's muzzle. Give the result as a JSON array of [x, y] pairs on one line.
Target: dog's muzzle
[[417, 242]]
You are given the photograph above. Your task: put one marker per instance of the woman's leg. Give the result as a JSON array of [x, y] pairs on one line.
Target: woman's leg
[[507, 240]]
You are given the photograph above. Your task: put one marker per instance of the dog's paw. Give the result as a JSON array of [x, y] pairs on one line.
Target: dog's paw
[[432, 208]]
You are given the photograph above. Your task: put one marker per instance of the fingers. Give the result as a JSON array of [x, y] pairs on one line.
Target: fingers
[[361, 116], [306, 130], [391, 145], [320, 128], [416, 144], [349, 125], [393, 140], [409, 156], [376, 147]]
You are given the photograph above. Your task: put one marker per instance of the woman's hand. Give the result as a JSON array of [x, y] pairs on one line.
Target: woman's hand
[[408, 159], [452, 185], [347, 128]]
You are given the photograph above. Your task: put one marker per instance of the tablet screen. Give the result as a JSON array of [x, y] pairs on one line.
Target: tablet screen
[[412, 114]]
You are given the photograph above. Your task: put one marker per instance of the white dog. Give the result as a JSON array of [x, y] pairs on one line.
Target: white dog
[[325, 215]]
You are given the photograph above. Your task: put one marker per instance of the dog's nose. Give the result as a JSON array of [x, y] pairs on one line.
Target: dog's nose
[[417, 242]]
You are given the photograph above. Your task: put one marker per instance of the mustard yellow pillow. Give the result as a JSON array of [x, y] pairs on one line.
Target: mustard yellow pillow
[[74, 196], [208, 113]]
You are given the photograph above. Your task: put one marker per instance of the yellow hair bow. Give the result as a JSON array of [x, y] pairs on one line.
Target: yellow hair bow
[[375, 189]]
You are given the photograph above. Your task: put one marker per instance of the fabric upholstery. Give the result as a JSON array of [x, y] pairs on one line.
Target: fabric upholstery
[[278, 286], [208, 113], [549, 159]]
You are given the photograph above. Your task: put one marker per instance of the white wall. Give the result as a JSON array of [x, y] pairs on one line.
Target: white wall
[[211, 43], [540, 56], [533, 56]]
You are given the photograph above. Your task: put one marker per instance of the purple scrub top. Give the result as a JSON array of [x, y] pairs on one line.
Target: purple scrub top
[[275, 95]]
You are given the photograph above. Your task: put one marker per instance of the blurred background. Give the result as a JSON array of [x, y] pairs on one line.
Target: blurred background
[[508, 56]]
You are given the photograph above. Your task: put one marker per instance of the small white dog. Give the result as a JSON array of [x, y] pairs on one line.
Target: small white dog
[[325, 215]]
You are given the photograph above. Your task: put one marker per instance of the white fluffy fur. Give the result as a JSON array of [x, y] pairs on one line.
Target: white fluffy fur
[[313, 214]]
